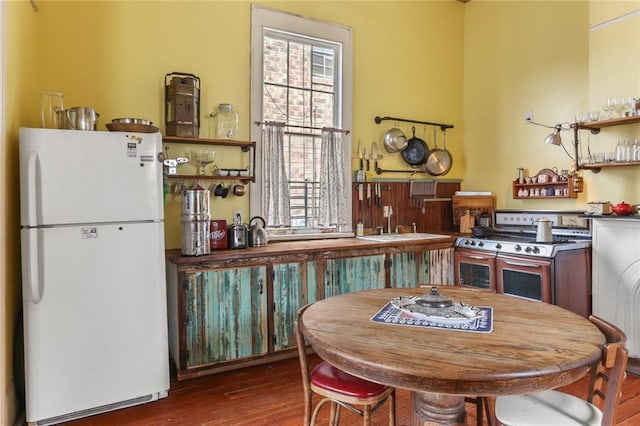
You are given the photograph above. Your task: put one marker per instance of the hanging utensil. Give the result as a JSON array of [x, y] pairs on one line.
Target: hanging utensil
[[374, 156], [395, 140], [439, 161], [416, 151]]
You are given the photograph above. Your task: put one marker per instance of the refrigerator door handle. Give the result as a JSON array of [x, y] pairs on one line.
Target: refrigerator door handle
[[32, 266], [32, 187]]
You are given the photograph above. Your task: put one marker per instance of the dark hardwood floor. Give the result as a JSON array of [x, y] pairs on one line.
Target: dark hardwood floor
[[271, 394]]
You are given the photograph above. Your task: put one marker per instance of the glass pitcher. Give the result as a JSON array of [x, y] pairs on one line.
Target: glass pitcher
[[51, 102], [225, 122]]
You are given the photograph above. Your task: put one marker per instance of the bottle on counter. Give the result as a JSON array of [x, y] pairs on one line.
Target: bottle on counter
[[360, 228]]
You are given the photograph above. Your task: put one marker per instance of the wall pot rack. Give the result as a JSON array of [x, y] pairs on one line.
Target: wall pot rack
[[379, 120], [442, 126]]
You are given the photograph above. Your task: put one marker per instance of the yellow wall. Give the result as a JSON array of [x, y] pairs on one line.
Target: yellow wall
[[480, 66], [614, 70], [540, 56], [519, 57]]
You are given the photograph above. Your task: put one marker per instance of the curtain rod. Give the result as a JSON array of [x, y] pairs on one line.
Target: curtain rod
[[259, 123]]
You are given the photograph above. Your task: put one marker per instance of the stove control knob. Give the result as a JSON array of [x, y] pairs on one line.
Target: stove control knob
[[536, 250], [480, 244], [473, 243], [518, 247], [466, 242], [498, 246], [528, 249]]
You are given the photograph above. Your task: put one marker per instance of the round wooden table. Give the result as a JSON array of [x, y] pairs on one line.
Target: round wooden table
[[533, 346]]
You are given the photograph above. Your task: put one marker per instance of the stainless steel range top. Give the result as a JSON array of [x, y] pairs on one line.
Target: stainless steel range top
[[514, 232]]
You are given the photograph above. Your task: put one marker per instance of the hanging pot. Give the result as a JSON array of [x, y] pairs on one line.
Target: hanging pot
[[394, 140], [439, 161], [416, 151]]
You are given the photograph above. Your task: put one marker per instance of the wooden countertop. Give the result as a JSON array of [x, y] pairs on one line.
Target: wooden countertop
[[338, 246]]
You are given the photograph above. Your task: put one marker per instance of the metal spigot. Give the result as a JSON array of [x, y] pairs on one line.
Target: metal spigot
[[414, 227]]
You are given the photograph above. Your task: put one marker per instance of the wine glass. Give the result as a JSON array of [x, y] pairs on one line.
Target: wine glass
[[612, 104], [203, 158]]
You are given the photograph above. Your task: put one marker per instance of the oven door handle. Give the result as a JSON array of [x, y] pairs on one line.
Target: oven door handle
[[526, 265], [471, 256]]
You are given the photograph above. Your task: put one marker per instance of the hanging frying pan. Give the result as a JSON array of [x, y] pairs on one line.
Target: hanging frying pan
[[416, 151], [439, 161]]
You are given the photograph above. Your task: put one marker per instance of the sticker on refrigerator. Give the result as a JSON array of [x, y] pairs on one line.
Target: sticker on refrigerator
[[132, 149], [88, 232]]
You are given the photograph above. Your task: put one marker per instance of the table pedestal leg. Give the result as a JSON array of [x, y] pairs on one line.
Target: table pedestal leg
[[429, 409]]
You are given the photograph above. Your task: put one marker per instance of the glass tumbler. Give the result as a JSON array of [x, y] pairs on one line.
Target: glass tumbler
[[50, 103]]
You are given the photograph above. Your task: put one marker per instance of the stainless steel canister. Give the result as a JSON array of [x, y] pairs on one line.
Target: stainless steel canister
[[195, 222], [195, 238], [195, 203]]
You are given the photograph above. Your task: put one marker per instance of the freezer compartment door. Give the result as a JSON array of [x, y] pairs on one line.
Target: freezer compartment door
[[96, 333], [72, 177]]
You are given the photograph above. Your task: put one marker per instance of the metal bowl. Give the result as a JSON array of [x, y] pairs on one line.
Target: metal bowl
[[395, 140], [132, 121]]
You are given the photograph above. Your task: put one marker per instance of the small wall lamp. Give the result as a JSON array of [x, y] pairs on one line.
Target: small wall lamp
[[552, 138]]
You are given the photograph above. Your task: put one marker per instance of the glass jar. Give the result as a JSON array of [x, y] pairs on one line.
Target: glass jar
[[225, 122]]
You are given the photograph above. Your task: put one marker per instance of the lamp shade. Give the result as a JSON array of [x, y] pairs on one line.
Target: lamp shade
[[553, 138]]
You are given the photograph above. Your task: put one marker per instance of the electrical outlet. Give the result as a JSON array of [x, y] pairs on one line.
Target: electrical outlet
[[529, 116]]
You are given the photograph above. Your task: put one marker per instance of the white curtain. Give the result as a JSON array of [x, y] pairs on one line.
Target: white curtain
[[275, 193], [333, 195]]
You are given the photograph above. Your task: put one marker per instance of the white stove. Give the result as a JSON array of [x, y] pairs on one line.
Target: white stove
[[514, 232]]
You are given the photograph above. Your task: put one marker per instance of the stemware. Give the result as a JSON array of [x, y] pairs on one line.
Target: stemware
[[612, 104], [203, 158]]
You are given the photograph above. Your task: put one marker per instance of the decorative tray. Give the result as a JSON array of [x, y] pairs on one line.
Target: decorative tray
[[132, 127], [455, 314]]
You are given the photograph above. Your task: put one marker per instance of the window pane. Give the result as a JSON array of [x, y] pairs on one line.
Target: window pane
[[323, 113], [275, 103], [275, 61]]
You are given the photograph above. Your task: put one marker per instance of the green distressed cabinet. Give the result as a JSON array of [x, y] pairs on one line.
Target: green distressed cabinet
[[237, 308], [412, 268], [223, 315], [294, 285], [346, 275]]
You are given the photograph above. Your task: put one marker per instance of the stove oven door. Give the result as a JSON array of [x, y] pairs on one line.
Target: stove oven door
[[475, 268], [525, 277]]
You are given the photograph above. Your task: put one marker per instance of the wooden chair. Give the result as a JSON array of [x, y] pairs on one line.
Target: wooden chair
[[558, 408], [339, 388]]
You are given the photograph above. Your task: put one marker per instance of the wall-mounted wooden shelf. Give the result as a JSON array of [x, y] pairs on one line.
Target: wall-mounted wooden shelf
[[564, 186], [245, 146]]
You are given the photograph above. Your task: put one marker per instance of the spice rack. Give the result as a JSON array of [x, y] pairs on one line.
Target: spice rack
[[245, 146], [553, 186]]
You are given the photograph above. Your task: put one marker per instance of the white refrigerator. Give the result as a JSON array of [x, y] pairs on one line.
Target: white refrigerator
[[93, 272]]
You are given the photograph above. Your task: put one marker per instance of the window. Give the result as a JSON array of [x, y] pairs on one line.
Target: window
[[300, 76]]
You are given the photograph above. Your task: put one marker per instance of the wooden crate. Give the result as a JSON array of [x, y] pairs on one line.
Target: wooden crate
[[476, 204]]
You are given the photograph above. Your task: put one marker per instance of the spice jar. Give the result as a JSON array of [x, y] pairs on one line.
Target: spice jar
[[225, 122]]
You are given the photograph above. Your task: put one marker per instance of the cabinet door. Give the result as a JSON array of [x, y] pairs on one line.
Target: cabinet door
[[351, 274], [294, 285], [411, 269], [226, 314]]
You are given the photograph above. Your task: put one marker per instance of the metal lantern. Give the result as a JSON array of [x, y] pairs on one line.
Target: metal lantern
[[182, 104]]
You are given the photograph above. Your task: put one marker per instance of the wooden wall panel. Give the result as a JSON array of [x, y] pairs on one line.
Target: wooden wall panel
[[428, 215]]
